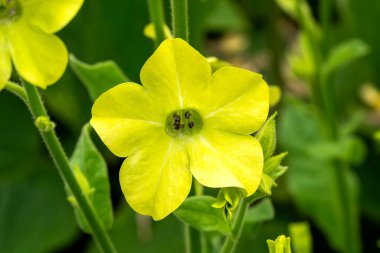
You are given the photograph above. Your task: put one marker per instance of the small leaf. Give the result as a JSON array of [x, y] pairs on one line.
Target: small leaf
[[267, 136], [198, 212], [99, 77], [344, 54], [271, 166], [301, 237], [263, 211], [93, 179]]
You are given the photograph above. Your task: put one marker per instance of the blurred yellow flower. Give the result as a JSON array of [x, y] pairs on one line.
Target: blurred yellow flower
[[26, 37], [183, 121], [274, 95]]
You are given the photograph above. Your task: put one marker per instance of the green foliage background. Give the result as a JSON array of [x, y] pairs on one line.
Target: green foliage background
[[34, 213]]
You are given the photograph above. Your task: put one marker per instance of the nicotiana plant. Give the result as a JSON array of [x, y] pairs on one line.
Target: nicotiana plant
[[193, 123]]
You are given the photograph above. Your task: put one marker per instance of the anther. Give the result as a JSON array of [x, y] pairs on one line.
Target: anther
[[176, 126], [176, 117], [187, 115], [191, 124]]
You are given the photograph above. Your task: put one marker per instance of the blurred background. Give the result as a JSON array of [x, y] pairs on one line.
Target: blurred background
[[258, 35]]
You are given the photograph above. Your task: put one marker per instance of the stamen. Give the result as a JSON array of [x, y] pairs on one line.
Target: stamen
[[183, 122]]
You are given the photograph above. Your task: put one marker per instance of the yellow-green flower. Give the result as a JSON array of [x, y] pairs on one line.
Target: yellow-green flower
[[280, 245], [26, 37], [183, 121]]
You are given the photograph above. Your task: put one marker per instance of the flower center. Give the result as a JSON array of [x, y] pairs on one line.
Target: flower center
[[10, 10], [184, 122]]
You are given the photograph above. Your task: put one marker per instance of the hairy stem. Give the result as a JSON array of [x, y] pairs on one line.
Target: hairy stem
[[61, 161], [16, 90]]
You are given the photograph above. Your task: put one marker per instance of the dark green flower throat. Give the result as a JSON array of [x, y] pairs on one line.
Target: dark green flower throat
[[10, 10], [183, 122]]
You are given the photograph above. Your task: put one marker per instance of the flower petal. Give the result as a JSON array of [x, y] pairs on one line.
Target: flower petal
[[5, 62], [177, 73], [126, 118], [40, 58], [51, 16], [220, 159], [156, 180], [237, 101]]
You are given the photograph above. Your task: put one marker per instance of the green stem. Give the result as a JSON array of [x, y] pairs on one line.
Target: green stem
[[17, 90], [203, 242], [341, 169], [180, 19], [202, 238], [61, 161], [328, 108], [187, 236], [156, 13]]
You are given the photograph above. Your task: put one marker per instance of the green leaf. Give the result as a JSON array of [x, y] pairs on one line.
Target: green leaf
[[198, 212], [99, 77], [267, 136], [93, 178], [262, 211], [344, 54], [301, 237]]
